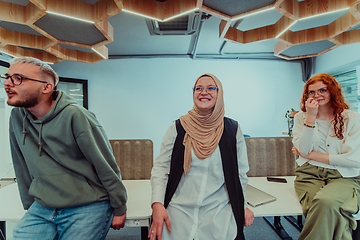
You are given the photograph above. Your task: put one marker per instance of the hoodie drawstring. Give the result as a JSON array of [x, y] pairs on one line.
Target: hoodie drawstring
[[24, 133], [40, 143], [24, 129]]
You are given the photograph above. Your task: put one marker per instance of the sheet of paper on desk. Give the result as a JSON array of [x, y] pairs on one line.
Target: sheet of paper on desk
[[256, 197]]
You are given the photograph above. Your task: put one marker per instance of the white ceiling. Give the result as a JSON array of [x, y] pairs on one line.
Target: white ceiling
[[132, 38]]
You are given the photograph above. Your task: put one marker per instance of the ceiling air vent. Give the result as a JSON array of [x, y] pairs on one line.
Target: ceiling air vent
[[184, 25]]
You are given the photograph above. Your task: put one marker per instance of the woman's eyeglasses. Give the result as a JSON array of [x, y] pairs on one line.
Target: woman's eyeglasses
[[321, 92], [209, 89]]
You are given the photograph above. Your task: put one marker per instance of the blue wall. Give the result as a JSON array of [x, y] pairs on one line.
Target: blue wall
[[139, 98]]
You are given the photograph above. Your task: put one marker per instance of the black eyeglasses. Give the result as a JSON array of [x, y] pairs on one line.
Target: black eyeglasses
[[321, 92], [17, 79], [209, 89]]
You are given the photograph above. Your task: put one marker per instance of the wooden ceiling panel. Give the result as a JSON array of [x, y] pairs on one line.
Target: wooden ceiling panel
[[78, 9], [24, 39], [34, 11], [104, 9], [12, 12], [334, 31], [348, 37], [294, 11], [18, 52]]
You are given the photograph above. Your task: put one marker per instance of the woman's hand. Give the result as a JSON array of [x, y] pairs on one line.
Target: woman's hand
[[295, 151], [249, 217], [312, 107], [159, 215], [316, 156]]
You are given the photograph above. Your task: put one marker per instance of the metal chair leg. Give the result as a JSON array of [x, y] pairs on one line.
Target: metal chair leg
[[275, 223]]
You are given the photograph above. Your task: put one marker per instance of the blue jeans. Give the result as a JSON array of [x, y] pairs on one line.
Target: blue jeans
[[87, 222]]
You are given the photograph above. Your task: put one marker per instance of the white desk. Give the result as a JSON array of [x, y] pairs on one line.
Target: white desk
[[139, 203], [11, 208], [138, 206], [286, 204]]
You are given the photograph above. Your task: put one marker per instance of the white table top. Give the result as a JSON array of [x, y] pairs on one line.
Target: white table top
[[11, 208], [138, 205], [139, 200], [286, 203]]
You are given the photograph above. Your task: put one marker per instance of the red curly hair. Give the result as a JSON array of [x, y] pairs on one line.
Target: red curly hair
[[337, 100]]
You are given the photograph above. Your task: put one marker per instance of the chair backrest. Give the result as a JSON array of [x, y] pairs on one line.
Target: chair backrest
[[270, 156], [134, 157]]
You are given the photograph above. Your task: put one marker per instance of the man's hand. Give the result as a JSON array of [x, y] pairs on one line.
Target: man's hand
[[159, 217], [118, 222]]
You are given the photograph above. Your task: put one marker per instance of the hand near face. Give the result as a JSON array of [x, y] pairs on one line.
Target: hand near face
[[312, 106]]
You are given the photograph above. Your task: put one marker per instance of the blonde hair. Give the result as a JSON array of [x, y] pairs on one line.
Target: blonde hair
[[44, 67]]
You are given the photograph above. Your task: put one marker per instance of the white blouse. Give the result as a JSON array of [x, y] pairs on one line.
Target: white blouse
[[199, 208]]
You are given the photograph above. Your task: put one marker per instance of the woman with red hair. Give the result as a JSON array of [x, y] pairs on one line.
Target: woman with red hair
[[327, 139]]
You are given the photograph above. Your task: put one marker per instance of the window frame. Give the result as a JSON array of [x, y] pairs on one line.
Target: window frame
[[84, 84]]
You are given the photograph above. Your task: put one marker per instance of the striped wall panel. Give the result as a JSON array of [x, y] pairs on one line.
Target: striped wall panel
[[134, 157], [270, 156]]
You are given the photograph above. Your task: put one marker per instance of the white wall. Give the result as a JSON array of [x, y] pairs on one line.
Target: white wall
[[339, 59], [139, 98]]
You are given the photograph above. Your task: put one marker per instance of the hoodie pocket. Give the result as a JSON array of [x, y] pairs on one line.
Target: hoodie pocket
[[63, 190]]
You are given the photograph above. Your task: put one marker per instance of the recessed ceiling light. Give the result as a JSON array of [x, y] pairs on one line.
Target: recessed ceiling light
[[286, 28], [159, 20], [7, 54], [62, 15], [181, 14], [99, 53], [254, 13], [321, 14], [142, 15]]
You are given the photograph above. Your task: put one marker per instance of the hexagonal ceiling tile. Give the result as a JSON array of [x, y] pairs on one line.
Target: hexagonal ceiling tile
[[299, 35], [37, 27]]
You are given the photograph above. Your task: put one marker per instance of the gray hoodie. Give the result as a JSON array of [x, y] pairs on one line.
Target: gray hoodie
[[64, 159]]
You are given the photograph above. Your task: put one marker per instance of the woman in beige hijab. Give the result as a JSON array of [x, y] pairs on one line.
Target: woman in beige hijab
[[199, 179]]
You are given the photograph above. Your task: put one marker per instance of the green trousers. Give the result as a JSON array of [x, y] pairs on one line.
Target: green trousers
[[328, 202]]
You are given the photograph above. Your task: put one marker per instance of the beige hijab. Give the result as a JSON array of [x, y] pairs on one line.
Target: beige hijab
[[203, 131]]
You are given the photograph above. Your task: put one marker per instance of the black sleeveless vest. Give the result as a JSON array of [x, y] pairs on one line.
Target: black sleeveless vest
[[228, 153]]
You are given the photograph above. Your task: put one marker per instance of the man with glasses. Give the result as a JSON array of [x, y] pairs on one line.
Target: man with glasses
[[67, 175]]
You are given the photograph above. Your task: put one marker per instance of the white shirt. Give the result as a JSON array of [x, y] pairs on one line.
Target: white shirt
[[199, 208]]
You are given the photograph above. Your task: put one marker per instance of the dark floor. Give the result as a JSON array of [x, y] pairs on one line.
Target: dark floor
[[260, 230]]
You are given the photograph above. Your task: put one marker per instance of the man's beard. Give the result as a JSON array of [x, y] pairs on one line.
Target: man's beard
[[30, 101]]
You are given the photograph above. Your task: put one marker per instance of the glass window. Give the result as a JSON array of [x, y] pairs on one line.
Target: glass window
[[350, 86], [77, 88]]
